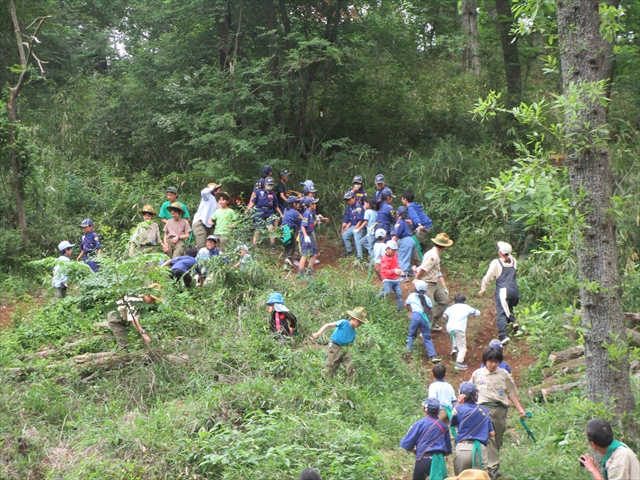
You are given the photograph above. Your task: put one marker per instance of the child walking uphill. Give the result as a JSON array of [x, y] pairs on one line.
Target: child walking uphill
[[419, 306], [475, 430], [342, 338], [495, 391], [443, 392], [456, 316], [390, 273], [429, 439]]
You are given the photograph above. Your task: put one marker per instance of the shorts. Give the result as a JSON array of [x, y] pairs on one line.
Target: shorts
[[259, 222], [308, 249]]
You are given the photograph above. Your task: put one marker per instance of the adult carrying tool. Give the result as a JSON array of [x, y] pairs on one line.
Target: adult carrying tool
[[526, 427]]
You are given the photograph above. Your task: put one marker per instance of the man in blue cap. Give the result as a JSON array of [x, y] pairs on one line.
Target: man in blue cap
[[429, 439], [474, 430], [60, 275], [352, 222], [90, 247]]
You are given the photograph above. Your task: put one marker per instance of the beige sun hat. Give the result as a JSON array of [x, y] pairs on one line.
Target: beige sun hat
[[359, 314], [176, 206], [148, 209], [156, 288], [442, 240], [471, 474]]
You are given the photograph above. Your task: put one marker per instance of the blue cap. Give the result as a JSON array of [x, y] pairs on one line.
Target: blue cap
[[293, 199], [402, 210], [275, 298], [357, 179], [87, 222], [285, 173], [467, 388], [349, 195], [307, 183], [379, 178], [307, 201], [266, 170], [62, 246], [420, 285], [431, 404], [386, 192], [268, 181], [497, 344], [309, 189]]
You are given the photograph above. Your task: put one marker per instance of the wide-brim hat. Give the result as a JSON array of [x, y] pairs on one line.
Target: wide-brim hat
[[176, 206], [442, 240], [223, 195], [148, 209], [155, 287], [471, 474], [275, 297], [359, 314], [214, 185]]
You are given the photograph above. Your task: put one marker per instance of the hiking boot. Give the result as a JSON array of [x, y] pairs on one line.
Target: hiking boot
[[454, 352], [300, 274], [461, 366], [436, 328], [435, 359], [504, 341], [309, 271], [399, 309], [346, 254], [273, 250], [514, 328], [403, 279]]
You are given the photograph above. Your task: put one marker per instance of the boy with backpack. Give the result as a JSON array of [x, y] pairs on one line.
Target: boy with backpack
[[283, 323]]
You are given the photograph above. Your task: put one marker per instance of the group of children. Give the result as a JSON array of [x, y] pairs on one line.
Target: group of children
[[475, 418]]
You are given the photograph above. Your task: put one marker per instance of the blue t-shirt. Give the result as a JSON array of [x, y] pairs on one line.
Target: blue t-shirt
[[473, 422], [344, 334], [308, 220], [183, 263], [413, 300], [291, 217], [427, 435], [370, 216]]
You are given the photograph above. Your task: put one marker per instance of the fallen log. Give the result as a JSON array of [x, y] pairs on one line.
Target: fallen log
[[633, 337], [571, 366], [565, 355], [111, 359], [628, 316], [535, 392], [546, 392]]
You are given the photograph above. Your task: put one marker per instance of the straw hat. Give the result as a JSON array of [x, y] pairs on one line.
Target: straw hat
[[471, 474], [442, 240], [176, 206], [223, 195], [148, 209], [157, 288], [359, 314]]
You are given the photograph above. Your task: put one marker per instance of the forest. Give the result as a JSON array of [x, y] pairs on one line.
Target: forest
[[511, 120]]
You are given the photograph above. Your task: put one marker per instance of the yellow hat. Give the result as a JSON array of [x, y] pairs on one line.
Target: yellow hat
[[442, 240], [471, 474]]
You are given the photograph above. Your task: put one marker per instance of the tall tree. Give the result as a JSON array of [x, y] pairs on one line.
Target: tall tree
[[509, 50], [469, 19], [586, 68], [29, 41]]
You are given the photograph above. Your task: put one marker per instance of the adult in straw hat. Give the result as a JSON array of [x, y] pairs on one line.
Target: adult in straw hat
[[146, 237], [342, 338], [430, 272]]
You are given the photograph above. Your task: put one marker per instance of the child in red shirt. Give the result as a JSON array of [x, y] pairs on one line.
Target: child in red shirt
[[390, 273]]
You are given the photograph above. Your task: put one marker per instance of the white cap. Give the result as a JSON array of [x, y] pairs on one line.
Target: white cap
[[62, 246], [420, 285], [380, 233], [504, 248], [392, 244]]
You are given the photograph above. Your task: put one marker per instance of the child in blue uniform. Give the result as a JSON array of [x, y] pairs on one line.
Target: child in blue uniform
[[421, 224], [342, 338], [419, 306], [429, 439], [474, 430], [266, 208], [386, 214], [306, 238], [402, 234], [381, 184], [358, 191], [290, 228], [181, 266], [90, 247], [352, 224]]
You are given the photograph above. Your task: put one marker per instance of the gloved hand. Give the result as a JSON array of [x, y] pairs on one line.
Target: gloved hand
[[446, 292], [307, 239]]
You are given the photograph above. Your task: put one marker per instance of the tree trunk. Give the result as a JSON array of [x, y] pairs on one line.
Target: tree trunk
[[469, 19], [13, 122], [585, 57], [509, 51]]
